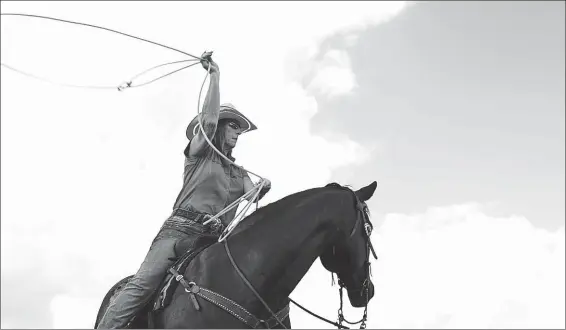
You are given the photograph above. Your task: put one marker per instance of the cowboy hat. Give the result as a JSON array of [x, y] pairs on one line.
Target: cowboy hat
[[227, 111]]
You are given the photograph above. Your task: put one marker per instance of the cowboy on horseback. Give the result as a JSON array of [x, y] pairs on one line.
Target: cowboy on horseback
[[210, 183]]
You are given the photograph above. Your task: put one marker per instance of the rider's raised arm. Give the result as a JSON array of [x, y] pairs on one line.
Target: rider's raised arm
[[210, 111]]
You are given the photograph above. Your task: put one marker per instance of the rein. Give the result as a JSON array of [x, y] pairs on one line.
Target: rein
[[250, 286], [339, 326], [369, 248]]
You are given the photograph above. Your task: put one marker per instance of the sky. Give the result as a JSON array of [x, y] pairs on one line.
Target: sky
[[455, 108]]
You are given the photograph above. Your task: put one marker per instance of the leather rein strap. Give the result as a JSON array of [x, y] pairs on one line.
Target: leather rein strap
[[250, 286], [228, 305]]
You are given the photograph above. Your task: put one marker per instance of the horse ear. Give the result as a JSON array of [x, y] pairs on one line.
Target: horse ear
[[365, 193]]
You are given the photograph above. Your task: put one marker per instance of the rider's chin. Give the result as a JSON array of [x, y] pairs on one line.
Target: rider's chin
[[358, 299]]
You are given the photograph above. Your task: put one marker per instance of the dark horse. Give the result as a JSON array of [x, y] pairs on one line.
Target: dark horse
[[266, 256]]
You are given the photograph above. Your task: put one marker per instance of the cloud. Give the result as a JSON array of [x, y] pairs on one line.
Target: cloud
[[79, 307], [334, 75], [459, 267]]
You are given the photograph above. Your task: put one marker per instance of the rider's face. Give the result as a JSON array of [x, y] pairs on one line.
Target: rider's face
[[232, 131]]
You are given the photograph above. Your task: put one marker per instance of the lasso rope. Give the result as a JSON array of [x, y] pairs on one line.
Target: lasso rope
[[123, 85], [54, 82], [102, 28], [255, 191], [127, 84]]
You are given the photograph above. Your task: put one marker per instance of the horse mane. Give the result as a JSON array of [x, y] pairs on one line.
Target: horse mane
[[275, 207]]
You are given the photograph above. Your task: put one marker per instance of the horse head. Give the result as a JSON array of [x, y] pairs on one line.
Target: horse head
[[349, 255]]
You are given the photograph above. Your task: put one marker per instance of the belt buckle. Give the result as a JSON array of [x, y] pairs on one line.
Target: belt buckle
[[215, 225], [203, 217]]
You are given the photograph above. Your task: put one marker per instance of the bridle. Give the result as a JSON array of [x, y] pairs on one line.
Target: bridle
[[364, 289], [368, 227]]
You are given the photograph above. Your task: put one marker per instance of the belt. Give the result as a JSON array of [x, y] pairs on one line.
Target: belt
[[194, 216]]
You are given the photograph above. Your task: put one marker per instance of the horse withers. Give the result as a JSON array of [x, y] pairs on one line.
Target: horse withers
[[245, 281]]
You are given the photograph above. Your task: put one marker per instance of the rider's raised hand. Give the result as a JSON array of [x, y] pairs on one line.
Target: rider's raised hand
[[208, 62], [267, 184]]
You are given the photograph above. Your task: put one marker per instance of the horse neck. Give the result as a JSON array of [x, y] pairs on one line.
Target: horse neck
[[279, 248]]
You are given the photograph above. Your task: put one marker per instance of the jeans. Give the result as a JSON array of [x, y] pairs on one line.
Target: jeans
[[137, 292]]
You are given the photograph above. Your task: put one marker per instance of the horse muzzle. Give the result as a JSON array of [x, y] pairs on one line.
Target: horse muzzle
[[358, 297]]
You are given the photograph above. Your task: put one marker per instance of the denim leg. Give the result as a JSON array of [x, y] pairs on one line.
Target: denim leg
[[141, 287]]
